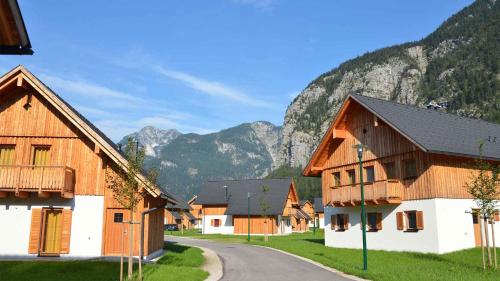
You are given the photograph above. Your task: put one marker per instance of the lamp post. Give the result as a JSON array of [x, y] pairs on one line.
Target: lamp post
[[248, 199], [359, 149]]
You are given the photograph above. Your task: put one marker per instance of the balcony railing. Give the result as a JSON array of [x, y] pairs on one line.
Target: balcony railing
[[378, 192], [21, 179]]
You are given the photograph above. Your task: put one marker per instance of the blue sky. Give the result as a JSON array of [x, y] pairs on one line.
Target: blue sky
[[202, 66]]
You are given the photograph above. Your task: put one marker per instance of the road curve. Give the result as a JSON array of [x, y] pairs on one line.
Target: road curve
[[249, 263]]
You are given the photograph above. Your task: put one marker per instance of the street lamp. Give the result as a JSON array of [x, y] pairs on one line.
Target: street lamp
[[359, 149], [248, 200]]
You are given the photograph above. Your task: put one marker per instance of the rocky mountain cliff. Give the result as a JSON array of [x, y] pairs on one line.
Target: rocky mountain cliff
[[456, 65], [152, 139], [186, 161]]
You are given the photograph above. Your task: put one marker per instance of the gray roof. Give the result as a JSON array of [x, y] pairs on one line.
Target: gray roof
[[437, 132], [214, 193], [318, 205], [176, 215], [181, 205], [303, 202], [301, 214], [190, 216]]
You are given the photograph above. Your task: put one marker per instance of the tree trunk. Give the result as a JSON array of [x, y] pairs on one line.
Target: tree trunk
[[481, 226], [131, 245], [493, 239], [486, 236]]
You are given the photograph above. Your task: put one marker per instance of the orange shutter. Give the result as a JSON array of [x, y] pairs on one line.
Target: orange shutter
[[212, 222], [346, 221], [420, 220], [399, 220], [379, 221], [333, 221], [497, 216], [35, 231], [66, 230]]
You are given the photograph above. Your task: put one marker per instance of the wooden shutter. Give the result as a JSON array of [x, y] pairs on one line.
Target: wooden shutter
[[497, 216], [7, 155], [420, 220], [66, 230], [379, 221], [333, 219], [211, 222], [399, 220], [346, 221], [35, 230]]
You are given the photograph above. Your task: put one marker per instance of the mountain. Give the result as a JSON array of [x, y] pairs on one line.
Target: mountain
[[186, 161], [152, 139], [456, 66]]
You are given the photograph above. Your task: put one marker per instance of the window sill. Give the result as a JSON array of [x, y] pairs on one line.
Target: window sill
[[372, 230], [340, 230], [411, 230]]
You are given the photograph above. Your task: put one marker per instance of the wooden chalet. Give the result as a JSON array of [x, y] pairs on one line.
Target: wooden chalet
[[196, 211], [226, 206], [53, 192], [180, 214], [416, 164]]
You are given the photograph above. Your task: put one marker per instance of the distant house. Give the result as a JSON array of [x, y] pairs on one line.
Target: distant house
[[319, 212], [179, 213], [415, 167], [307, 208], [196, 211], [225, 207], [54, 198], [14, 38]]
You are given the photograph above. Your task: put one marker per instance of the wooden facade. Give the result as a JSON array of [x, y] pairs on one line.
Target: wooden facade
[[389, 155], [258, 225], [74, 162]]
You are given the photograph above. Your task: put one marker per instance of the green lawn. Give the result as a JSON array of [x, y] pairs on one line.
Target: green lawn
[[179, 263], [382, 265]]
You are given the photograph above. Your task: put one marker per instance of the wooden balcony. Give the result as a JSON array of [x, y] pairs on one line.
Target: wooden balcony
[[378, 192], [45, 180]]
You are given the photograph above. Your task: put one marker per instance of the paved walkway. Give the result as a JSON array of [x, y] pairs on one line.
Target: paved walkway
[[249, 263]]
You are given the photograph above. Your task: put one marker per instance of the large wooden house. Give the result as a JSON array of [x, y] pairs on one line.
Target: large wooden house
[[225, 206], [54, 199], [416, 164]]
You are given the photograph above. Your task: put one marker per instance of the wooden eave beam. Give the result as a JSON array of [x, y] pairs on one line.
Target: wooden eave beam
[[339, 133]]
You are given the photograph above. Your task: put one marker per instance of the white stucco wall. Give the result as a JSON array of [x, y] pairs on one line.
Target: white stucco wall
[[86, 226], [447, 227], [284, 228], [321, 222], [226, 224]]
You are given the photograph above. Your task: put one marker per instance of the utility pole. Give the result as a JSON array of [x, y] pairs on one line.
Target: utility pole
[[248, 199], [360, 148]]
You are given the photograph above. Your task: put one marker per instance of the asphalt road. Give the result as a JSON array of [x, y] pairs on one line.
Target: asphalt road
[[245, 263]]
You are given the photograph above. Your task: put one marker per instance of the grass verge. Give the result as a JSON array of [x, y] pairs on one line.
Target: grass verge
[[382, 265], [179, 263]]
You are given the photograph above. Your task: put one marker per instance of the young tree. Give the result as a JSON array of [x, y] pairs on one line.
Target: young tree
[[264, 209], [127, 191], [484, 187]]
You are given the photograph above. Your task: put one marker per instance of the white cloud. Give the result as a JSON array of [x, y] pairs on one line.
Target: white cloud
[[212, 88], [85, 88], [261, 4]]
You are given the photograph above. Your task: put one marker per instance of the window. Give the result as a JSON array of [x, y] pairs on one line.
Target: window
[[41, 155], [215, 223], [199, 212], [339, 222], [370, 174], [410, 168], [118, 217], [390, 170], [410, 221], [7, 154], [374, 221], [351, 174], [336, 179]]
